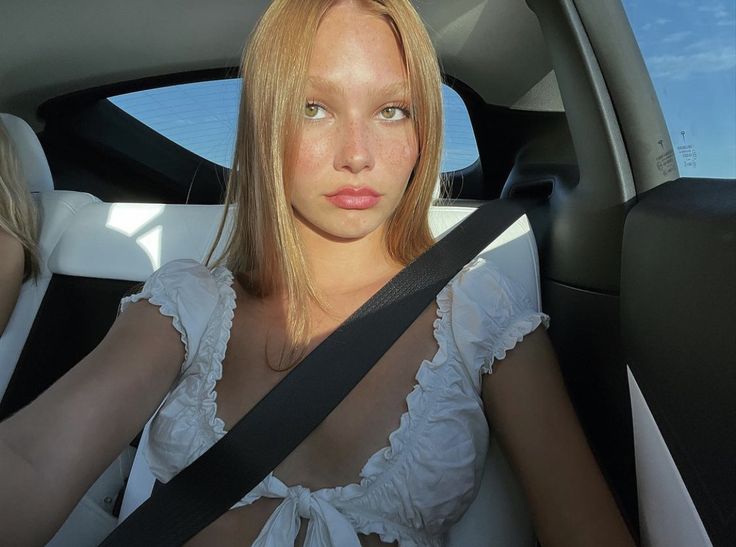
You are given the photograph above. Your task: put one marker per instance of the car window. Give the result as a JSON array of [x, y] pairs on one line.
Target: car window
[[460, 149], [689, 47], [202, 117]]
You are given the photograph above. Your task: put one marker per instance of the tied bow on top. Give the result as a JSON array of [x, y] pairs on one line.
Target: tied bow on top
[[327, 527]]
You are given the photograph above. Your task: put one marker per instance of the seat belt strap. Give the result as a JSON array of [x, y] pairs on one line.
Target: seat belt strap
[[279, 422]]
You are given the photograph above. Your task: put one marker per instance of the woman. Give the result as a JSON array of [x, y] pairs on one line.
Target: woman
[[18, 229], [337, 154]]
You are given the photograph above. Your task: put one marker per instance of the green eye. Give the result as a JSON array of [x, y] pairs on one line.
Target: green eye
[[389, 113], [312, 110], [393, 113]]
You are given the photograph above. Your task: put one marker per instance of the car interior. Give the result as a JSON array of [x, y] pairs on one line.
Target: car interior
[[634, 264]]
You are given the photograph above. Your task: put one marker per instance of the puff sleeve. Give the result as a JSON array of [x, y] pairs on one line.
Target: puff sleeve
[[186, 291], [490, 314]]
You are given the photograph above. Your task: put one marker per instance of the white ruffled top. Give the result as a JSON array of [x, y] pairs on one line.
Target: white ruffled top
[[411, 491]]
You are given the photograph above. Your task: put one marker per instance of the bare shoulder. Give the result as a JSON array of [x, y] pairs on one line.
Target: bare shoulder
[[531, 357], [142, 323], [11, 275], [11, 252]]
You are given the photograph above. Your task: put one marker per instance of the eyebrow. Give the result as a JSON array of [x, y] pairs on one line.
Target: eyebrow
[[395, 88]]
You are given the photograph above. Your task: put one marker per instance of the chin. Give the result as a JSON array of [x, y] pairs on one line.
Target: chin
[[343, 224], [351, 231], [345, 229]]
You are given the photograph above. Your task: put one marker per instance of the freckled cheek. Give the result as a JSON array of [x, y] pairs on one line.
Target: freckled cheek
[[313, 154], [400, 153]]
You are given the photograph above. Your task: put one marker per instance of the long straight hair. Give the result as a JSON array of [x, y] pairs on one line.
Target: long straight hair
[[264, 245], [18, 215]]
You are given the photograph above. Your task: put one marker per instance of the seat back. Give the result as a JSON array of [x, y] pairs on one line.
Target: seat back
[[31, 156], [55, 211]]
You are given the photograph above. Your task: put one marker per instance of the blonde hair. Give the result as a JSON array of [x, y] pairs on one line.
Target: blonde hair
[[264, 244], [18, 215]]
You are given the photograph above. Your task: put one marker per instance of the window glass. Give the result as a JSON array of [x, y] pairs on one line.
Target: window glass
[[460, 150], [202, 117], [689, 47]]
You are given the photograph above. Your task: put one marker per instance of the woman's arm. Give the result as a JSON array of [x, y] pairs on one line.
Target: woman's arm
[[11, 276], [533, 419], [53, 449]]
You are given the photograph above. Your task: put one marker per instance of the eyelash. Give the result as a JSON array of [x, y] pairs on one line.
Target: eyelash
[[403, 107]]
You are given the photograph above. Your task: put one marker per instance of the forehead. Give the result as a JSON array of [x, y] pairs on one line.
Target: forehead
[[355, 46]]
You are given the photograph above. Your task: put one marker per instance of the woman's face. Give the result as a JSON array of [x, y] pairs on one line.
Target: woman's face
[[357, 147]]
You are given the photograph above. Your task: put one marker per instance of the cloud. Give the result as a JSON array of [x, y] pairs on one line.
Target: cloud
[[708, 45], [719, 11], [700, 45], [676, 37], [658, 22], [682, 67], [726, 23]]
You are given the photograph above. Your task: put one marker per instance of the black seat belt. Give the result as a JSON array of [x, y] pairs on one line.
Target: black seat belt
[[279, 422]]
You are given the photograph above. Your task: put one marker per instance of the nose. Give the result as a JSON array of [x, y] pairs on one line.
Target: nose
[[355, 152]]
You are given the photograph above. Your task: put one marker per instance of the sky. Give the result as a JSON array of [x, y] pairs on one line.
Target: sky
[[689, 47]]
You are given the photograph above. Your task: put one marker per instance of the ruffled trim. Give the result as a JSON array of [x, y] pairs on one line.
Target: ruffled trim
[[492, 314], [391, 532], [379, 468], [417, 404], [155, 292], [180, 288], [514, 334], [214, 346]]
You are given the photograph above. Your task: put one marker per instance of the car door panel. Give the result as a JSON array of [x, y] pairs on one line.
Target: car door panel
[[678, 296]]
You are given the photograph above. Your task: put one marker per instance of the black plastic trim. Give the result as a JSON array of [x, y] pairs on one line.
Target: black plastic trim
[[678, 308], [584, 329]]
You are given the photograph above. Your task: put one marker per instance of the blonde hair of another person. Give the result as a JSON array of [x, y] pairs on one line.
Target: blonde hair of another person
[[264, 243], [18, 213]]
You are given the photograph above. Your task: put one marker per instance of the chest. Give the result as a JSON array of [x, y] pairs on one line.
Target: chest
[[359, 426]]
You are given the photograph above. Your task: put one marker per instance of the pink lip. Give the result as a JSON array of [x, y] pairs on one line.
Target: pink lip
[[349, 197]]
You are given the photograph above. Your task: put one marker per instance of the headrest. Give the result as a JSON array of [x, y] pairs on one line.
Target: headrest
[[131, 240], [30, 153]]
